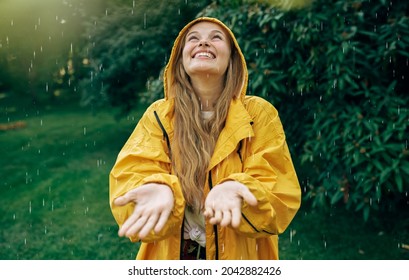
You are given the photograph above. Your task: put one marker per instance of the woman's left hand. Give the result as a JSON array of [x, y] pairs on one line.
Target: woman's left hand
[[224, 201]]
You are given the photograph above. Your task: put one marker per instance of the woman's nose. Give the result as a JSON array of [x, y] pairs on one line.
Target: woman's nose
[[203, 42]]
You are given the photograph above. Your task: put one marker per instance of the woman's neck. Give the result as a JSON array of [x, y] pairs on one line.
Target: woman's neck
[[208, 90]]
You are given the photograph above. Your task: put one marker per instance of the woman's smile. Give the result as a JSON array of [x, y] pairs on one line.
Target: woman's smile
[[206, 50]]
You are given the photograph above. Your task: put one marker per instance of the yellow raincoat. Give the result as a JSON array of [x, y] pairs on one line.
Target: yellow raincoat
[[251, 149]]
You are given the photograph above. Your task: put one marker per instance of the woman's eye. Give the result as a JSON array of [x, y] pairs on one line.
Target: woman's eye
[[218, 37], [192, 38]]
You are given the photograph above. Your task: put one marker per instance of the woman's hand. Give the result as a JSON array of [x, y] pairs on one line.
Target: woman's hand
[[224, 201], [153, 205]]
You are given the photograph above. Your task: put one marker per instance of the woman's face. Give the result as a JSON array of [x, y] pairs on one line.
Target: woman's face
[[207, 49]]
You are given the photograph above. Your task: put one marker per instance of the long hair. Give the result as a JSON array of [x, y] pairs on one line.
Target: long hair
[[194, 137]]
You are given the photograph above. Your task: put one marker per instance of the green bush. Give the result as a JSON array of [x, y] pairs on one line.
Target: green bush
[[337, 71]]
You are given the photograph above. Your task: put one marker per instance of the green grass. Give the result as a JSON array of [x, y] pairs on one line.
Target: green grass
[[54, 196], [54, 186]]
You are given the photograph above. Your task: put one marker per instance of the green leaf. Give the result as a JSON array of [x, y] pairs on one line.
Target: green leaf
[[399, 181], [405, 167], [377, 164], [337, 197], [385, 175]]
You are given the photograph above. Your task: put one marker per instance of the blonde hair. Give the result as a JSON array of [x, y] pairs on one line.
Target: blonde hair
[[195, 138]]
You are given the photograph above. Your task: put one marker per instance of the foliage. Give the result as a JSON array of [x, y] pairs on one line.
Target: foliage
[[130, 45], [338, 72]]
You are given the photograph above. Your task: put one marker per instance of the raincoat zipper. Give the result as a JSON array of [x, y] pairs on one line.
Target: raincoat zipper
[[165, 134]]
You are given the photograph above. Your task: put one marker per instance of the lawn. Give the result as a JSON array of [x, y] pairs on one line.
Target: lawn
[[54, 195]]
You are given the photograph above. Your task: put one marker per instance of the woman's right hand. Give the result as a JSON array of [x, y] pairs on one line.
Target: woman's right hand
[[153, 205]]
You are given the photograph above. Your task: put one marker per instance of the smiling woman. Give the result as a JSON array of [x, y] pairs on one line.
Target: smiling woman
[[207, 173], [207, 52]]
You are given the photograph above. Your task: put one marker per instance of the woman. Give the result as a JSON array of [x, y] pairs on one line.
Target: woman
[[207, 173]]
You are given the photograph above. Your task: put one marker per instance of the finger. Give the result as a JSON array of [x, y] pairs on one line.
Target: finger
[[208, 213], [150, 223], [235, 217], [226, 220], [121, 201], [216, 218], [249, 198], [128, 223], [164, 216], [125, 199], [136, 227]]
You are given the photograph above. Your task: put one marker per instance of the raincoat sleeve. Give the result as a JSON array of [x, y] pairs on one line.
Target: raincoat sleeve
[[144, 159], [269, 174]]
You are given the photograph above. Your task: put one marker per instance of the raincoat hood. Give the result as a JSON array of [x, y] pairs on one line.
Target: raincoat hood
[[168, 77]]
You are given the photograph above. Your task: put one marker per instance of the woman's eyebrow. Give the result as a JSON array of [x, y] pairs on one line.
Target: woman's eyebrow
[[217, 31], [191, 32]]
